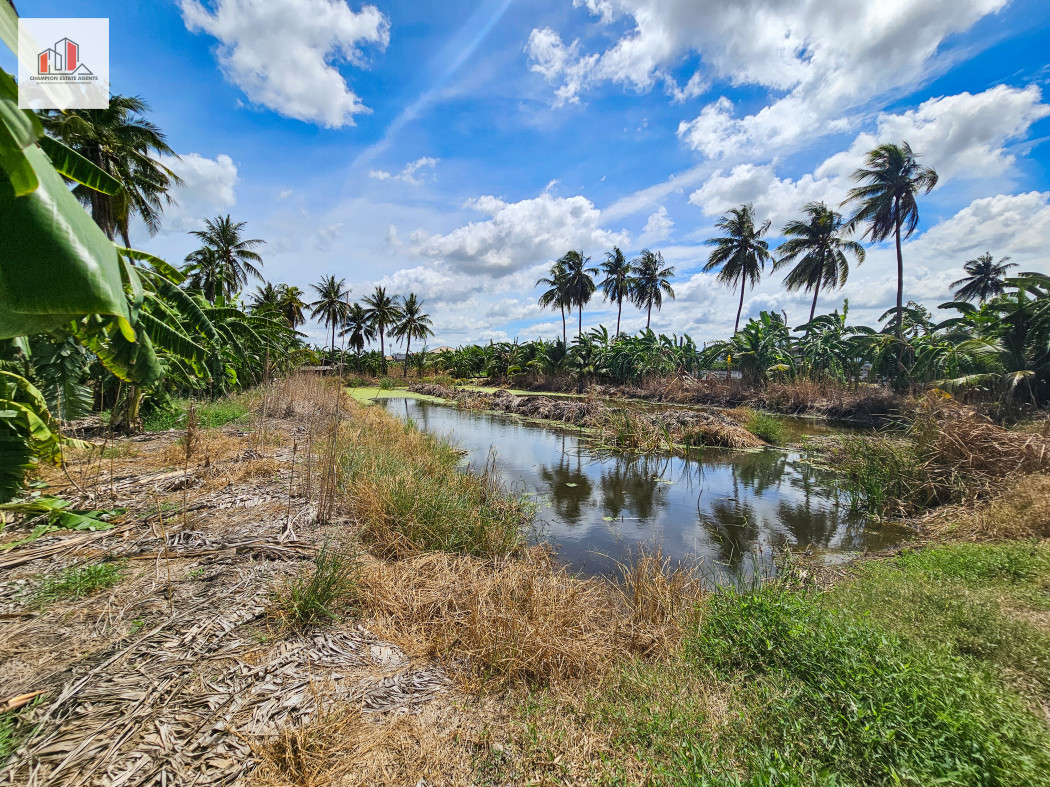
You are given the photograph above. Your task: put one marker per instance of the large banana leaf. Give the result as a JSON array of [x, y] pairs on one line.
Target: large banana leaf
[[165, 269], [77, 168], [55, 263], [19, 128]]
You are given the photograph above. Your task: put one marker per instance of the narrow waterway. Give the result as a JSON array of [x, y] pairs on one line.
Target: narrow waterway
[[726, 508]]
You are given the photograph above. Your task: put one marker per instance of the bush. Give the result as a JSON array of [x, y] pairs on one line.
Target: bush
[[387, 384], [837, 700]]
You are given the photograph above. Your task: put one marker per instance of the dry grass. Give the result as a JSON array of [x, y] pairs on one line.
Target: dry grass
[[1021, 510], [348, 748], [527, 620]]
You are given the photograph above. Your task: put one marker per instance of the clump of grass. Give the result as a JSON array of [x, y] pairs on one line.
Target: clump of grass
[[316, 595], [658, 595], [1021, 510], [357, 382], [409, 494], [519, 621], [766, 426], [834, 699], [78, 582], [387, 384]]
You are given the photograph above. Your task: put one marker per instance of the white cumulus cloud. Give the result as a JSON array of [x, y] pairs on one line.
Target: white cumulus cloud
[[284, 53], [208, 188], [517, 235], [408, 173]]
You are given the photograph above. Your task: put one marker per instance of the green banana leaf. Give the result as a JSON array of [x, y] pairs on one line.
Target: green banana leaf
[[75, 167], [55, 263]]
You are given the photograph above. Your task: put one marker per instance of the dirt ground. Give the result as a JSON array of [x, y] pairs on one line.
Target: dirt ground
[[182, 673]]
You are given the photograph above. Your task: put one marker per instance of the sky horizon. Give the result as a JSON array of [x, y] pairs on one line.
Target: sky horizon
[[456, 151]]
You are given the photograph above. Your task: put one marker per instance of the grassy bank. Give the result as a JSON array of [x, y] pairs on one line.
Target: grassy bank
[[361, 534]]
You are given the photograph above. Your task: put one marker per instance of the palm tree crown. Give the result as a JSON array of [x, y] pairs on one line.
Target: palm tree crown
[[358, 327], [557, 293], [890, 180], [579, 282], [291, 304], [414, 324], [383, 312], [617, 282], [226, 259], [819, 241], [741, 253], [985, 279], [122, 142], [650, 283], [331, 305]]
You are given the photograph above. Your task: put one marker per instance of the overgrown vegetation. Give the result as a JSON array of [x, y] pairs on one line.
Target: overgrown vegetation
[[209, 414], [409, 494], [766, 426]]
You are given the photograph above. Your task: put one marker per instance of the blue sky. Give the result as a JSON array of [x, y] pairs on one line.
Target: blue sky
[[455, 149]]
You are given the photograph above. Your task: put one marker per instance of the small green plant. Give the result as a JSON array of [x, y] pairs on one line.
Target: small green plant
[[74, 583], [136, 626], [356, 382], [387, 384], [766, 426], [314, 596]]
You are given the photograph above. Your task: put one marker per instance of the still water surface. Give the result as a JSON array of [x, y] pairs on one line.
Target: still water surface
[[724, 507]]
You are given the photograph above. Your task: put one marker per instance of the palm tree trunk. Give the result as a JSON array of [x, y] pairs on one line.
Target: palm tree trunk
[[739, 308], [900, 268], [813, 308], [649, 315], [564, 334], [619, 309], [333, 340], [382, 348], [579, 334], [408, 349]]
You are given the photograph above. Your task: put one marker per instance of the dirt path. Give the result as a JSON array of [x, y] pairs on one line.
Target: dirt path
[[180, 673]]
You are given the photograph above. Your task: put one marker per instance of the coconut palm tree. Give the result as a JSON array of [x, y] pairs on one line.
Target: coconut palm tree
[[226, 259], [414, 324], [617, 282], [267, 298], [332, 305], [650, 283], [579, 282], [290, 303], [359, 328], [120, 141], [820, 241], [891, 179], [383, 312], [741, 253], [985, 279], [556, 294]]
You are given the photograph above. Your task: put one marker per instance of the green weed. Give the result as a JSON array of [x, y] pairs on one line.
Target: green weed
[[74, 583], [766, 426], [316, 595], [210, 415]]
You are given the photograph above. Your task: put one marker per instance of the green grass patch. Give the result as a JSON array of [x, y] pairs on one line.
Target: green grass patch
[[830, 698], [74, 583], [317, 594], [965, 598], [766, 426], [409, 492], [210, 415]]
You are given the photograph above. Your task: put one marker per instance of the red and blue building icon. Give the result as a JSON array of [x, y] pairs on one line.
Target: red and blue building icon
[[63, 58]]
